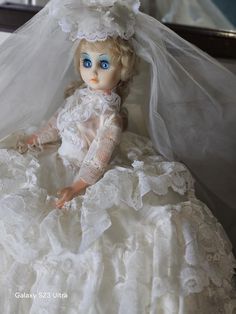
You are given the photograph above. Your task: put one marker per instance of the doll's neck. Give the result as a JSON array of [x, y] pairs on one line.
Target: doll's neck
[[102, 91]]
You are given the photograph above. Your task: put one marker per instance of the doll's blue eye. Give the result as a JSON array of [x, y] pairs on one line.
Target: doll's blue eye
[[104, 64], [87, 63]]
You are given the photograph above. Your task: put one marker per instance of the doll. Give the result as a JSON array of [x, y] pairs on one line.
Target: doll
[[104, 67], [135, 238]]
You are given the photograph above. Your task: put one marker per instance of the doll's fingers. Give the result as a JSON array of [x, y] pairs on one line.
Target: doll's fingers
[[66, 196], [62, 191], [32, 139], [22, 147], [63, 199], [60, 204]]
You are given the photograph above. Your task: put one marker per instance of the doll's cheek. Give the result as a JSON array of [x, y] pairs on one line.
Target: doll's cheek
[[85, 76]]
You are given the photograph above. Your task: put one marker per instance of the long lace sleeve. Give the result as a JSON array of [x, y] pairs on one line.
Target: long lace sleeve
[[101, 150], [48, 133]]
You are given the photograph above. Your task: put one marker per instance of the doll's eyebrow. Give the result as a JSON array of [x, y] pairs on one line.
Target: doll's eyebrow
[[105, 56], [84, 54]]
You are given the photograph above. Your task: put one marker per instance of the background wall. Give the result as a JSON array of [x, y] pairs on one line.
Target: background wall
[[228, 7]]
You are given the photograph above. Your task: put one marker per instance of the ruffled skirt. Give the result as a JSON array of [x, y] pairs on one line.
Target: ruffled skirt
[[138, 241]]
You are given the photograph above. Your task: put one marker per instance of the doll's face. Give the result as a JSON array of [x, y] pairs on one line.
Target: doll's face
[[99, 69]]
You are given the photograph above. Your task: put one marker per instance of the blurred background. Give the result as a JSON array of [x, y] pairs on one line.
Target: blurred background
[[216, 14], [28, 2]]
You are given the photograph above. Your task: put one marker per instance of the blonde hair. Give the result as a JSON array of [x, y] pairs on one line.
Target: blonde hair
[[121, 50]]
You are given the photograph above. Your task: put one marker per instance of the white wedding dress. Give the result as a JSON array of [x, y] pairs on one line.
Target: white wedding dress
[[137, 241]]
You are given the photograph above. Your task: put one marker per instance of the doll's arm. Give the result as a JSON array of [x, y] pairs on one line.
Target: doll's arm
[[101, 150], [47, 134], [96, 160]]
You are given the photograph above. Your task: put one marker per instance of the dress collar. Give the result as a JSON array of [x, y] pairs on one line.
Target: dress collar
[[113, 98]]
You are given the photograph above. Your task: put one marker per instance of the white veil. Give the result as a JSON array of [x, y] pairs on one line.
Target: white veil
[[35, 66], [191, 107]]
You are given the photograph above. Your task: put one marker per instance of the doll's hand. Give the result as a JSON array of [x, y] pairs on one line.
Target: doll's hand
[[32, 140], [23, 145], [68, 193]]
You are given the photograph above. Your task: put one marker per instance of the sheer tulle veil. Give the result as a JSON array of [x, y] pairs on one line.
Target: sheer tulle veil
[[190, 107]]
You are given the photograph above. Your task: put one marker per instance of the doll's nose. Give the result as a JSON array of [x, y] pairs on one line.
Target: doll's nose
[[95, 71]]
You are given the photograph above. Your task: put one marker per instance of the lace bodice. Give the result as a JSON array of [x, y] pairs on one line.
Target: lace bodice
[[89, 127]]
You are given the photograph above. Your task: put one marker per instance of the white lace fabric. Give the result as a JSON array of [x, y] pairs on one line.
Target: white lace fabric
[[49, 132], [138, 239], [90, 130], [100, 151]]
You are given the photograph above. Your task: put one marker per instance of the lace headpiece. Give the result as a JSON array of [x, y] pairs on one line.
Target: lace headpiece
[[96, 19]]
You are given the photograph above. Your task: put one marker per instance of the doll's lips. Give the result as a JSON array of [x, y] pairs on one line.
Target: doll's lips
[[94, 80]]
